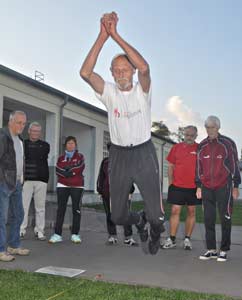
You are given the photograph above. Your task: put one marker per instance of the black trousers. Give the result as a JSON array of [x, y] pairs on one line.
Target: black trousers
[[139, 165], [63, 194], [221, 198], [111, 227]]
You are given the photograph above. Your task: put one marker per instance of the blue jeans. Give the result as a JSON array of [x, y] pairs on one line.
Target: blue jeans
[[11, 206]]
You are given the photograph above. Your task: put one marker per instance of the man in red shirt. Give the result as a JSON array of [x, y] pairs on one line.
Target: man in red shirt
[[182, 188]]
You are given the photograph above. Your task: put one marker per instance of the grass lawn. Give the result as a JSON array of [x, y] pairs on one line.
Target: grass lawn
[[138, 205], [18, 285]]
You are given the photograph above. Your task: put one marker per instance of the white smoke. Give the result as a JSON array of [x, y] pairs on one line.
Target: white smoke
[[179, 114]]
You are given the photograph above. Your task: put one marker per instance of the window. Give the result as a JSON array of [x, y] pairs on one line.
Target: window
[[106, 140], [165, 163]]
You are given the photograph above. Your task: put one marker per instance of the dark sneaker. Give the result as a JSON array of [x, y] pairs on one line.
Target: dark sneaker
[[130, 242], [154, 246], [143, 232], [209, 254], [154, 241], [222, 256], [22, 234]]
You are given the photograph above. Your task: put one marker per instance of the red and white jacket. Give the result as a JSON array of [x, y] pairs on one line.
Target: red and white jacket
[[70, 170], [217, 163]]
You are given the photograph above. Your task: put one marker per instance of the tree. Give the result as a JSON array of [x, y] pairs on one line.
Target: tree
[[179, 135], [160, 129]]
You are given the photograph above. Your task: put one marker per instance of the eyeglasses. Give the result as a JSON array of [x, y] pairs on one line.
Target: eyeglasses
[[191, 135], [20, 123]]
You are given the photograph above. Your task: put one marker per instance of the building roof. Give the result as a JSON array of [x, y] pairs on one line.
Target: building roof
[[46, 88]]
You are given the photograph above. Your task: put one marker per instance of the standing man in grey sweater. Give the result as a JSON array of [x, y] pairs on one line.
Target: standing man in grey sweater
[[11, 180]]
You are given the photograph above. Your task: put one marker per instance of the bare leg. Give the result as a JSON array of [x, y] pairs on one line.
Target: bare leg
[[190, 220], [175, 219]]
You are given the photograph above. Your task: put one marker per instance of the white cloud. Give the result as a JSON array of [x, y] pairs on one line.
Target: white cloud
[[180, 114]]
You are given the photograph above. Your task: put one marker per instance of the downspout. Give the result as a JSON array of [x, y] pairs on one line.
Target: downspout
[[162, 166], [61, 122]]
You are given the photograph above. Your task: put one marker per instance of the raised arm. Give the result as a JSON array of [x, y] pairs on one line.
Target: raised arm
[[86, 72], [110, 21]]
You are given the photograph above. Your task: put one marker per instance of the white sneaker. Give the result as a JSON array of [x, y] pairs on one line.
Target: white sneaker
[[40, 236], [130, 242], [222, 256], [168, 244], [75, 238], [6, 257], [187, 245], [55, 238], [112, 240]]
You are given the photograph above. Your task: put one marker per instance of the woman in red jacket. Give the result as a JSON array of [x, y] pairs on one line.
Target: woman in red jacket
[[69, 171]]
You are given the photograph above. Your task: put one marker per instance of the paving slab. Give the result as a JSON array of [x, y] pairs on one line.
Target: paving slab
[[173, 268]]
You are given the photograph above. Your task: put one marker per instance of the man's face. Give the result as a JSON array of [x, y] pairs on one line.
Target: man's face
[[34, 133], [190, 135], [17, 124], [122, 72], [212, 130]]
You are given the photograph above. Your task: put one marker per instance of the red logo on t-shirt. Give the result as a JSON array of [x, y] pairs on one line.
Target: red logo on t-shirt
[[116, 113]]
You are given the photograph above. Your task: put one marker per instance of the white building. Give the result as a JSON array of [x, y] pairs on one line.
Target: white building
[[61, 115]]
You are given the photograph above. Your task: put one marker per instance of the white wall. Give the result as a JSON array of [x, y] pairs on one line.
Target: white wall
[[85, 136], [1, 110], [87, 125]]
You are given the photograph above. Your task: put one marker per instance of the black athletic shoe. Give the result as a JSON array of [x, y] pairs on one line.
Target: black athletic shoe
[[154, 246], [154, 242], [143, 232]]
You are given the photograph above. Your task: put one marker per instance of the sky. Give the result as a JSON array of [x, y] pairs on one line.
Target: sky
[[193, 48]]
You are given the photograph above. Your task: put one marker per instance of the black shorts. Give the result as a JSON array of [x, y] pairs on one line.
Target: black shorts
[[182, 196]]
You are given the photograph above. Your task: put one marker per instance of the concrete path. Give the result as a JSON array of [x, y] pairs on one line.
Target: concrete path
[[173, 269]]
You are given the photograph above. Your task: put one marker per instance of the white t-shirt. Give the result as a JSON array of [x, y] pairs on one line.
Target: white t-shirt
[[18, 147], [129, 114]]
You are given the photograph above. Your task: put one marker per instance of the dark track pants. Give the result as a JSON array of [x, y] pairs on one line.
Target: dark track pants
[[222, 198], [63, 194], [139, 165], [111, 227]]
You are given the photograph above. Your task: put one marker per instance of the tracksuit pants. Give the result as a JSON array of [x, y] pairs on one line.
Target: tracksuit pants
[[139, 165], [222, 198], [63, 194], [111, 227]]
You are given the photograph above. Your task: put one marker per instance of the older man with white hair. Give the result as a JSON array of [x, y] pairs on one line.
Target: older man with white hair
[[11, 180], [36, 178], [217, 179], [133, 156]]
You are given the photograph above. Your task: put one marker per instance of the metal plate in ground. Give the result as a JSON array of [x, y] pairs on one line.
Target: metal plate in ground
[[66, 272]]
